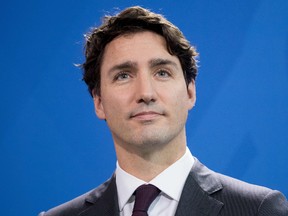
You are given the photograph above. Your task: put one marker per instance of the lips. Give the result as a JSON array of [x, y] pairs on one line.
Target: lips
[[146, 115]]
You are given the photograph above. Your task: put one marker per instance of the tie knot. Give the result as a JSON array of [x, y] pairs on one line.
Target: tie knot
[[144, 196]]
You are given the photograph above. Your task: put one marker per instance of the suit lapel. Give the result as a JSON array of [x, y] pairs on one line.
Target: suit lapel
[[195, 200], [103, 201], [196, 197]]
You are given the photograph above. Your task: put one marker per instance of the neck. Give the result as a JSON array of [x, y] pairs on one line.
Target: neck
[[147, 164]]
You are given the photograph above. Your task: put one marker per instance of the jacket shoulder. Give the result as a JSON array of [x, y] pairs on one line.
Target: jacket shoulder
[[79, 204], [240, 196]]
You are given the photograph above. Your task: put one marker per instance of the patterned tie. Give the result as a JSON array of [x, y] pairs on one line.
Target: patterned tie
[[144, 196]]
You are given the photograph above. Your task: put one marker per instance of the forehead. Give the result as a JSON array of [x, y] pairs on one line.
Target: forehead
[[138, 47]]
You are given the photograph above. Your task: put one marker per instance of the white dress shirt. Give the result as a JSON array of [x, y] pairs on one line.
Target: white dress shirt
[[171, 182]]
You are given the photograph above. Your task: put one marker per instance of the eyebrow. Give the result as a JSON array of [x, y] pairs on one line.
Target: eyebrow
[[152, 63], [124, 65], [159, 61]]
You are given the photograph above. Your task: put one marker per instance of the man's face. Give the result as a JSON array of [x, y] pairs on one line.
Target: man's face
[[144, 97]]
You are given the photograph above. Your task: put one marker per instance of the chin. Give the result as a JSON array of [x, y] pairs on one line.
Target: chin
[[148, 142]]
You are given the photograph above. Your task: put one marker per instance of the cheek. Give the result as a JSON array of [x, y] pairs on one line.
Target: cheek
[[179, 97], [114, 104], [110, 105]]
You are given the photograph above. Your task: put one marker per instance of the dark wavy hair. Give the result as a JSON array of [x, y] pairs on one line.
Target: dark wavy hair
[[129, 21]]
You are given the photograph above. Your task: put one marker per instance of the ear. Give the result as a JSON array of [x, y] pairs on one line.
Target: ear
[[191, 90], [99, 110]]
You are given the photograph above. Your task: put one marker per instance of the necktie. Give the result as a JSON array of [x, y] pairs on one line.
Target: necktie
[[144, 196]]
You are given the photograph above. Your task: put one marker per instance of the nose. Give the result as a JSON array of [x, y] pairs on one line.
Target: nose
[[145, 90]]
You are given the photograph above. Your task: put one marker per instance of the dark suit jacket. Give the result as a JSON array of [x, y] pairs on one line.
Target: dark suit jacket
[[205, 193]]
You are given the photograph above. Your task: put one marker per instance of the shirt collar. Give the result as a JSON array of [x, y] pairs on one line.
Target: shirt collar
[[126, 185], [165, 181]]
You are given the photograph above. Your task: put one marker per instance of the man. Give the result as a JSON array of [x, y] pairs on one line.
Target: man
[[141, 72]]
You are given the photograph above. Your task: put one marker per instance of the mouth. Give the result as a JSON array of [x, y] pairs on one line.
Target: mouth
[[146, 116]]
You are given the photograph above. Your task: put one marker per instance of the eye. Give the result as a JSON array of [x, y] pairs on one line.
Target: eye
[[162, 73], [122, 76]]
